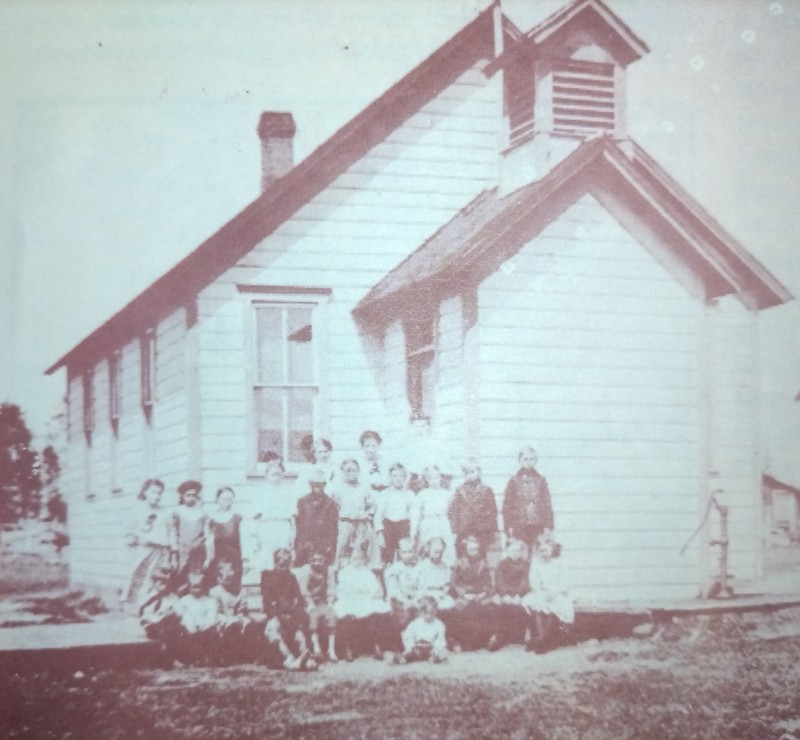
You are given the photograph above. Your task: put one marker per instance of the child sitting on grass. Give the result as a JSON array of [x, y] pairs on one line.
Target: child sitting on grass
[[363, 615], [511, 584], [548, 602], [187, 626], [470, 623], [284, 607], [424, 639], [434, 575]]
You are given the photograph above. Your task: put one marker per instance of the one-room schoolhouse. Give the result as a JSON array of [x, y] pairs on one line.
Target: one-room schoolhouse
[[480, 259]]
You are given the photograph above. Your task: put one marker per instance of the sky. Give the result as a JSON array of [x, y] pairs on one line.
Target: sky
[[127, 135]]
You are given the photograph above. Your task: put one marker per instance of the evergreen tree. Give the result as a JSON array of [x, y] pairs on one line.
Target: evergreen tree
[[20, 484]]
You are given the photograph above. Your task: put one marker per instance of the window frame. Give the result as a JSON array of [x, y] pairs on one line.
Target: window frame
[[87, 385], [414, 328], [147, 370], [114, 386], [260, 297]]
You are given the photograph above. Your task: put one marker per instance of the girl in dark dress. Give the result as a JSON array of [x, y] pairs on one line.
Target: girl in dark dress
[[189, 534], [224, 527]]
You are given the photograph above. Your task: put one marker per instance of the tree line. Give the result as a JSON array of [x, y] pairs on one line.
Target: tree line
[[28, 478]]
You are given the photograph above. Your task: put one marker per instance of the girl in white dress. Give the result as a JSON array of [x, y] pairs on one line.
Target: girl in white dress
[[149, 537], [429, 518], [548, 601], [268, 524]]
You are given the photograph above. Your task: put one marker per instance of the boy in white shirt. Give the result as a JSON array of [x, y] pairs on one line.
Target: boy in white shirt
[[393, 515]]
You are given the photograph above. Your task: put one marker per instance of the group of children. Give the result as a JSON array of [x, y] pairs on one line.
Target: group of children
[[370, 559]]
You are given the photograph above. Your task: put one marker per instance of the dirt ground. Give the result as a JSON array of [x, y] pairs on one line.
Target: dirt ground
[[733, 676]]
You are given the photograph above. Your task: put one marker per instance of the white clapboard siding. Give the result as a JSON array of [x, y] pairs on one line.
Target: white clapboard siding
[[107, 473], [734, 435], [595, 347], [448, 422], [345, 240]]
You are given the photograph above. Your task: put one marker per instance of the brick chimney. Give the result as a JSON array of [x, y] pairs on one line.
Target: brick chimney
[[276, 131]]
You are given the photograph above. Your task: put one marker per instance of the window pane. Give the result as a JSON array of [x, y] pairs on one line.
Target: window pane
[[269, 421], [301, 421], [300, 344], [269, 344]]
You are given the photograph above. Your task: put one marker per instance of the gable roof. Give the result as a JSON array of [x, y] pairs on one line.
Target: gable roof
[[591, 15], [284, 197], [770, 481], [493, 226]]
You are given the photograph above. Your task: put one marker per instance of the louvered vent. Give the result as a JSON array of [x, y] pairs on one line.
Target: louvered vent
[[583, 97]]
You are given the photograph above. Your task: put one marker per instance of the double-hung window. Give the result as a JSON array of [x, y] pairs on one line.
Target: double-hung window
[[286, 383]]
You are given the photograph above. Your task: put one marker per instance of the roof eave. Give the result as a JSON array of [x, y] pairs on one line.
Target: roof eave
[[758, 286], [540, 33], [710, 244], [263, 215]]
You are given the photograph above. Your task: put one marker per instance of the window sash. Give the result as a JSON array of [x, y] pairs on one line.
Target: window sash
[[88, 401], [285, 383], [148, 369], [114, 365], [421, 369]]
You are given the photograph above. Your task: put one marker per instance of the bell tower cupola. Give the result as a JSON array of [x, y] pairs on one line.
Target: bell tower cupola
[[563, 81]]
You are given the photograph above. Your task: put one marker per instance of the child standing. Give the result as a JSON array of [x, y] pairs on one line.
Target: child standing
[[527, 509], [322, 451], [318, 586], [271, 522], [393, 516], [192, 546], [150, 538], [356, 514], [317, 522], [430, 513], [225, 528], [374, 471], [473, 510], [425, 638]]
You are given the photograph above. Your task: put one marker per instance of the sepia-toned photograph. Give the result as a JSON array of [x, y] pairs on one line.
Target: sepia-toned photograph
[[399, 369]]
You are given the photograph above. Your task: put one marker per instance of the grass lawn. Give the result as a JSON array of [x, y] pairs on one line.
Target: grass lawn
[[722, 677], [27, 563]]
